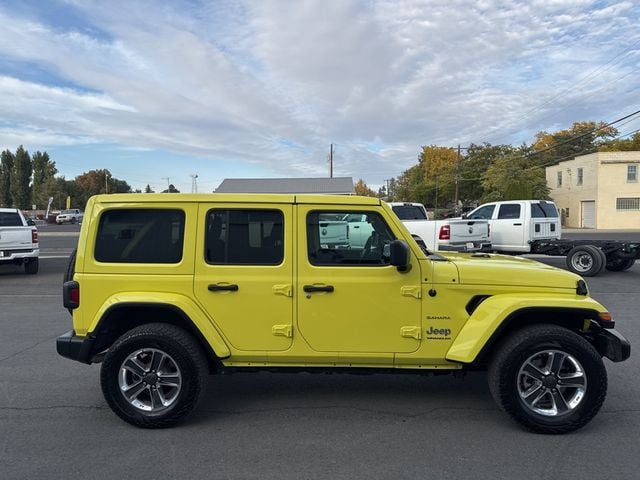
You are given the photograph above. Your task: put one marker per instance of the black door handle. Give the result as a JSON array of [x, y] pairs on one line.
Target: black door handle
[[216, 287], [518, 224], [318, 288]]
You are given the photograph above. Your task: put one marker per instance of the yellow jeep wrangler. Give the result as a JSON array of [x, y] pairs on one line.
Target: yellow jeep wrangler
[[168, 288]]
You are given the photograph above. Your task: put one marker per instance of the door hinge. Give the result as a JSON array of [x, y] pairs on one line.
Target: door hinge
[[285, 290], [411, 291], [282, 331], [411, 332]]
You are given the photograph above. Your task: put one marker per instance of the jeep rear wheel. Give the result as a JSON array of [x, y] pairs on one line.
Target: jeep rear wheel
[[153, 375], [549, 379]]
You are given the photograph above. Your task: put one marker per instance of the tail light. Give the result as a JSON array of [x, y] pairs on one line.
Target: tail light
[[34, 236], [71, 295], [445, 232]]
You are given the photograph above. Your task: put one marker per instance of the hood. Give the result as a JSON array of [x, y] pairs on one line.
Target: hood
[[485, 269]]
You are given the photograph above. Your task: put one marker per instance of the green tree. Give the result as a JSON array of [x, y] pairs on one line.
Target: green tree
[[363, 189], [148, 189], [6, 169], [512, 177], [474, 165], [43, 170], [95, 182], [582, 138], [171, 189], [622, 145], [21, 178]]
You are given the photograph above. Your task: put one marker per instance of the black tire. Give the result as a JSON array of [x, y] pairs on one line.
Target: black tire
[[508, 378], [71, 266], [603, 259], [187, 367], [31, 266], [585, 260], [620, 264]]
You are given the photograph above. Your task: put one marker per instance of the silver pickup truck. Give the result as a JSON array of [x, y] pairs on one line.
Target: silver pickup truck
[[18, 240]]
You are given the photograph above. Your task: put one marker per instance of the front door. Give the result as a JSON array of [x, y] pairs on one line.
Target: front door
[[588, 214], [351, 300], [245, 273]]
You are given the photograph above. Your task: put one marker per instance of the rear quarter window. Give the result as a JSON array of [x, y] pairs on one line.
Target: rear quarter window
[[140, 236]]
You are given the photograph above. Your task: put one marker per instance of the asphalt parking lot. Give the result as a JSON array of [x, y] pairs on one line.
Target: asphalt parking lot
[[54, 422]]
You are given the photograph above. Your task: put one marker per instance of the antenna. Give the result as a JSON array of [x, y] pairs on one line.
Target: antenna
[[194, 183]]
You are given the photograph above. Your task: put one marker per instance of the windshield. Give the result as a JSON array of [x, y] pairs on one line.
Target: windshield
[[543, 210], [409, 212]]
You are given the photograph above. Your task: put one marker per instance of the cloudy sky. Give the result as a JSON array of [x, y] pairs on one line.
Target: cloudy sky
[[227, 89]]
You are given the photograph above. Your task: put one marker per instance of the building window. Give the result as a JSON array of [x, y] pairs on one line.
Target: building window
[[632, 203], [559, 179], [580, 176], [632, 173]]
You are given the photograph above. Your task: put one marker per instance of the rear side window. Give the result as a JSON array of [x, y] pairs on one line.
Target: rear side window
[[543, 210], [10, 219], [244, 237], [509, 210], [409, 212], [140, 236]]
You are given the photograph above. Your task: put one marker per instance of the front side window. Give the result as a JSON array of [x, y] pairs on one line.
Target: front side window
[[483, 213], [140, 236], [331, 240], [244, 237], [409, 212], [632, 173], [509, 210]]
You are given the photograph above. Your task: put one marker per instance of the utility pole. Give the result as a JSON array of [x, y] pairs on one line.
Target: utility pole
[[331, 161], [457, 186], [194, 184], [168, 182], [106, 184]]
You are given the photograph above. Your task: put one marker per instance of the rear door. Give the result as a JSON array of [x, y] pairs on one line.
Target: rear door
[[507, 231], [244, 273]]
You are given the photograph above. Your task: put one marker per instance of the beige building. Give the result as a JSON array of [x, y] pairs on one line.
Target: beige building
[[600, 190]]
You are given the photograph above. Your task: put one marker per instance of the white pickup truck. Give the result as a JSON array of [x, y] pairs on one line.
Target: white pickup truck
[[450, 234], [18, 240], [533, 226]]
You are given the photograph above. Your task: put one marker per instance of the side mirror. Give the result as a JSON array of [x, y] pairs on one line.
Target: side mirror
[[30, 222], [399, 255], [464, 215]]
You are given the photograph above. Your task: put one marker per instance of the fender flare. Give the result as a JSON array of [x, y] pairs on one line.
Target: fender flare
[[501, 311], [178, 303]]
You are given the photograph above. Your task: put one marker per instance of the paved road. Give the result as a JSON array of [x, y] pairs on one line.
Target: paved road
[[54, 422]]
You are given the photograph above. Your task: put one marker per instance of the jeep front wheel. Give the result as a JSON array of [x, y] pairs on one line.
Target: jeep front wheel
[[549, 379], [153, 375]]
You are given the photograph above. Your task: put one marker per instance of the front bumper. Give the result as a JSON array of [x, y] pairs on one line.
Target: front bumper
[[611, 344], [76, 348]]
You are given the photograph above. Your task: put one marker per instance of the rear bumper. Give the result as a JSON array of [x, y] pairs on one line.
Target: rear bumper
[[465, 247], [75, 348], [611, 344], [11, 255]]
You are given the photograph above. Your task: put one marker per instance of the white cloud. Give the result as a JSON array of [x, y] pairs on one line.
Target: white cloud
[[272, 83]]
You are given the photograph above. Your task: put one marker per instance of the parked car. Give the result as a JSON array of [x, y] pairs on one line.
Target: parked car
[[18, 240], [167, 288], [73, 215]]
